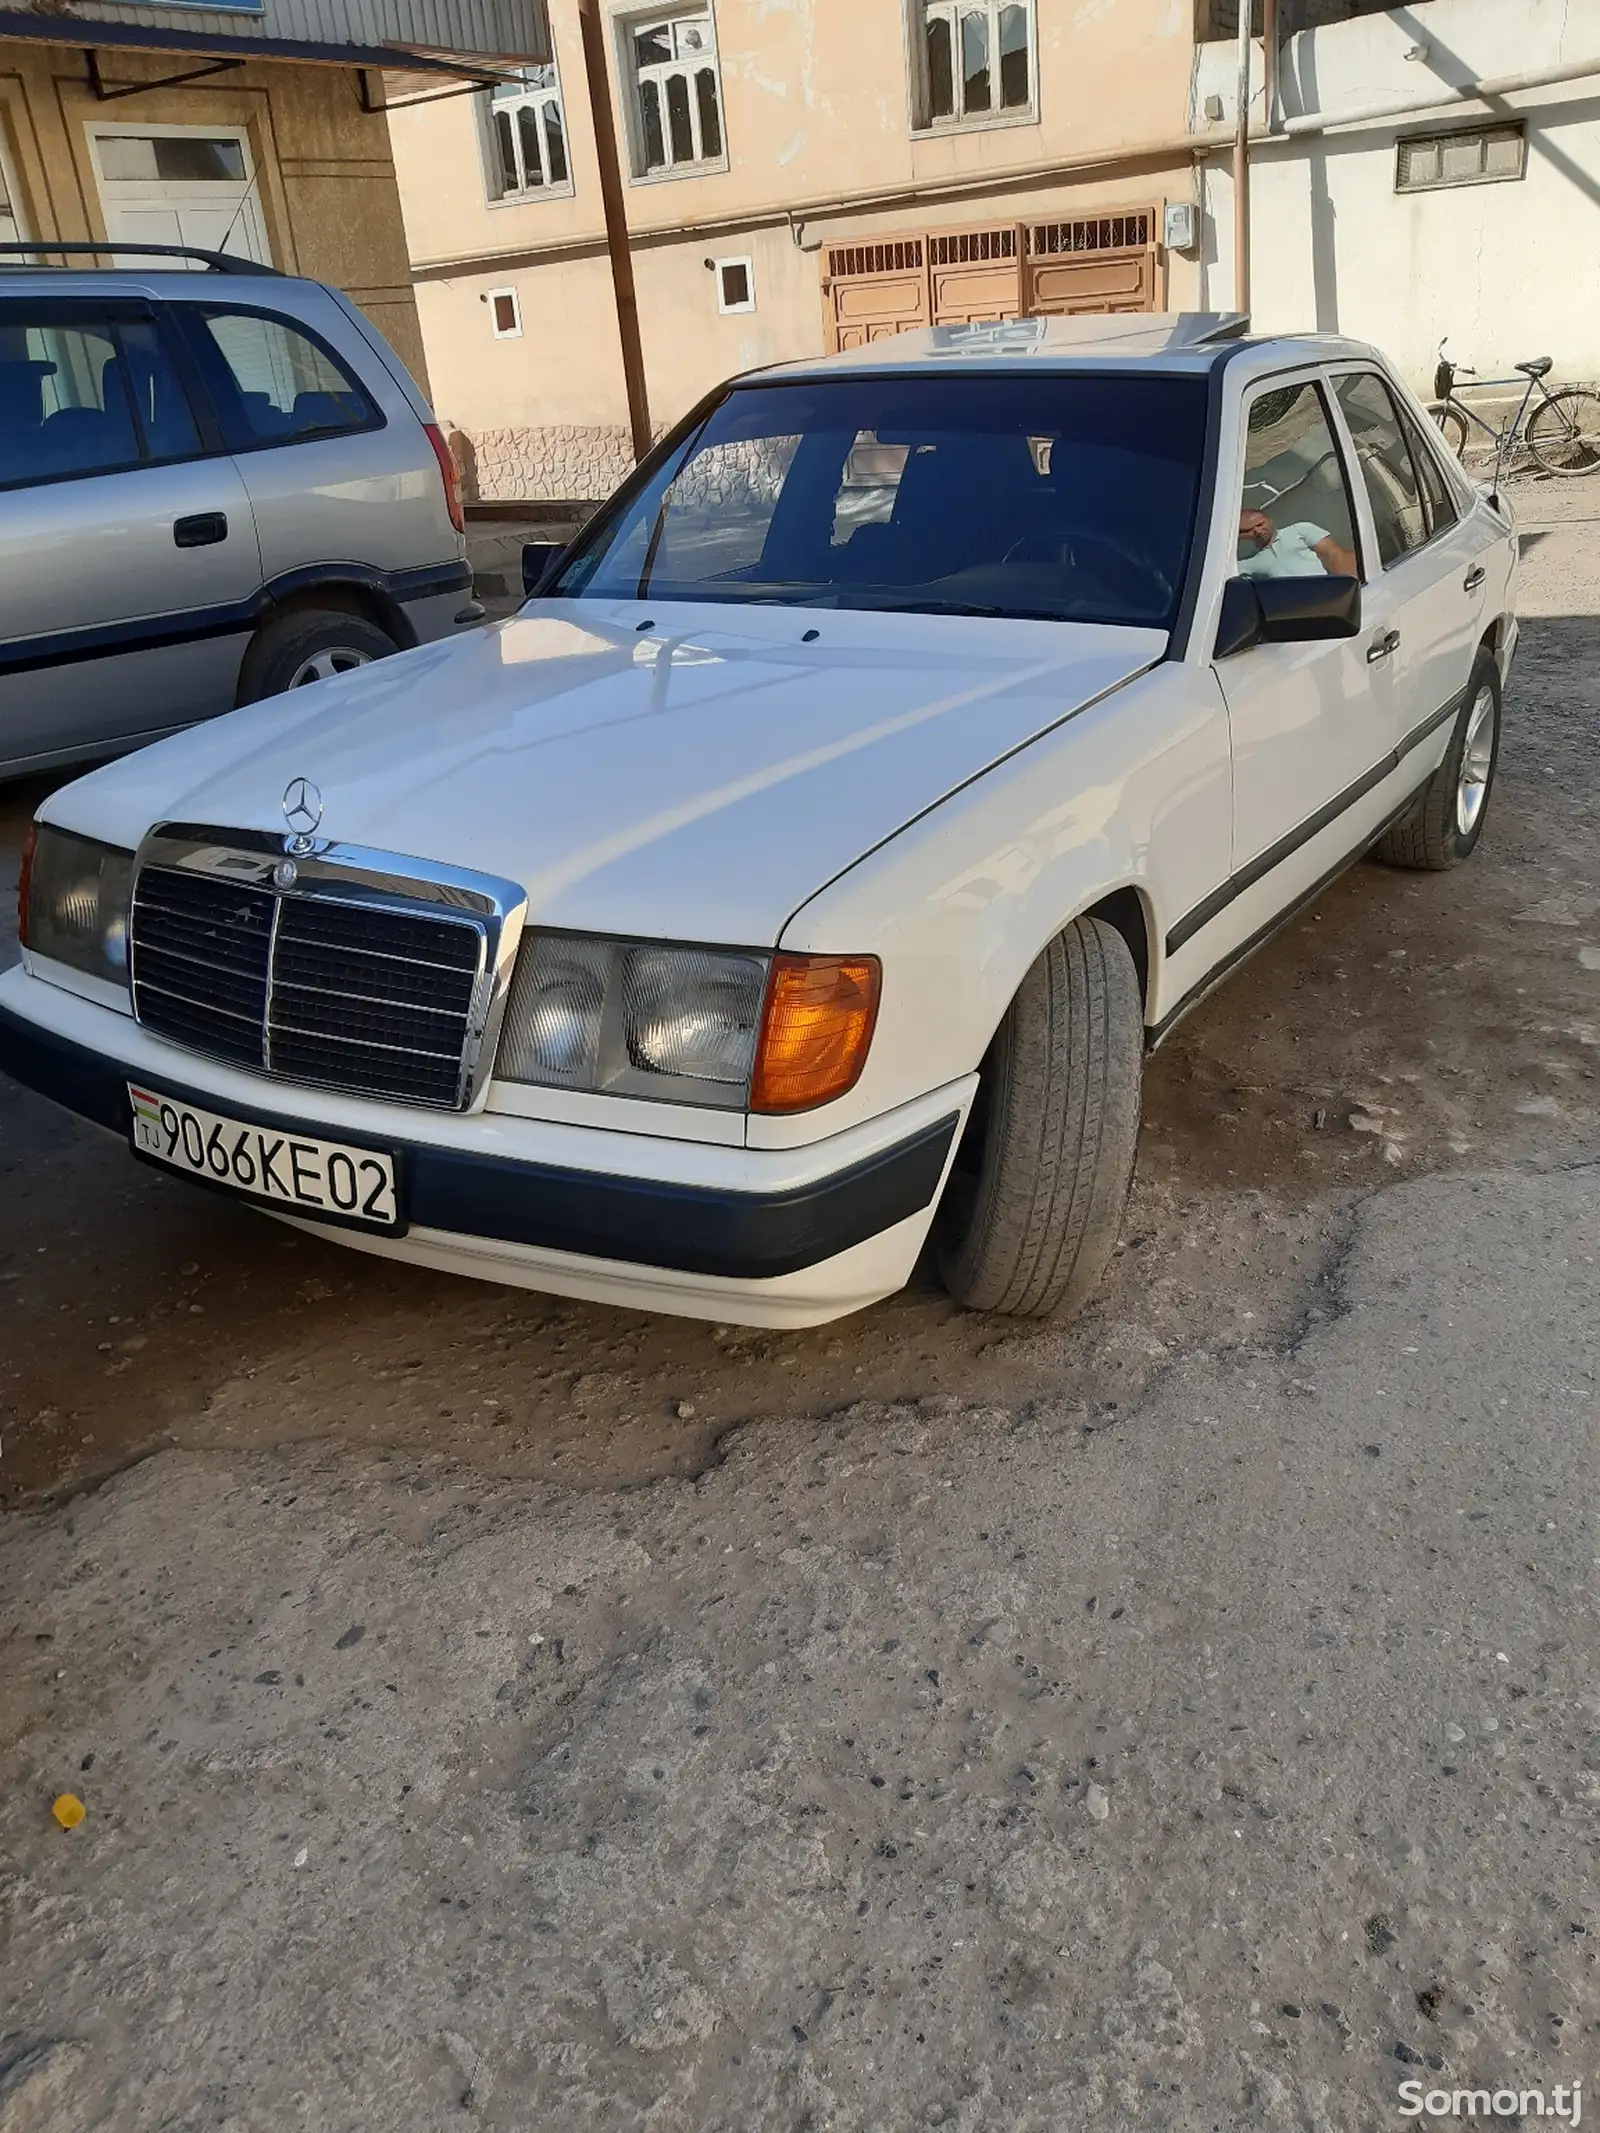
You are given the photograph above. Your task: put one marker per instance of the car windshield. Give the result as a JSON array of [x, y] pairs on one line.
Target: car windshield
[[1068, 497]]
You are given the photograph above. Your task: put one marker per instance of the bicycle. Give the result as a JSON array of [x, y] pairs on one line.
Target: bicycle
[[1562, 435]]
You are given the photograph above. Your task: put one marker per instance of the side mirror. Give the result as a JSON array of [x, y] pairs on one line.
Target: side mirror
[[1285, 611], [539, 560]]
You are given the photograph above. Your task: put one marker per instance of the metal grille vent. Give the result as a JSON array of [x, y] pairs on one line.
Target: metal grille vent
[[321, 989], [1096, 233], [966, 247], [889, 258]]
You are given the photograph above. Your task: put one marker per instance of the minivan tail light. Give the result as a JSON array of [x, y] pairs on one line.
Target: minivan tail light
[[448, 475], [24, 881]]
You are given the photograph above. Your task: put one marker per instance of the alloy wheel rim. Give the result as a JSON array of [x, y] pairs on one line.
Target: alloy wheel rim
[[1477, 761], [322, 666]]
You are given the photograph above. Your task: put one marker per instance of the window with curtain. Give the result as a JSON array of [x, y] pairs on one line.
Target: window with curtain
[[677, 91], [529, 135], [974, 61]]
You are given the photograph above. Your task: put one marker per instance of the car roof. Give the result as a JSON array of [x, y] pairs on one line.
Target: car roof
[[1175, 342]]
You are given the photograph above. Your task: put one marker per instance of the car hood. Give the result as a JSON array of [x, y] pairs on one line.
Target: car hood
[[694, 773]]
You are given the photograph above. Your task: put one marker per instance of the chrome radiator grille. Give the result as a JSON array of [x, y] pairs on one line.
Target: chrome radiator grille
[[325, 980]]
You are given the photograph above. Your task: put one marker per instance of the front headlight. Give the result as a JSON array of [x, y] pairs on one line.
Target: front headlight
[[74, 904], [728, 1027], [633, 1019]]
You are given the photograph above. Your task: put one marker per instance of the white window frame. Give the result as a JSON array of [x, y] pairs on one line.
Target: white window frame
[[737, 259], [513, 332], [537, 96], [917, 16], [686, 67]]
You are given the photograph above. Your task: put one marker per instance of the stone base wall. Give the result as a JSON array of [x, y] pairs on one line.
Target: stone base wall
[[540, 465]]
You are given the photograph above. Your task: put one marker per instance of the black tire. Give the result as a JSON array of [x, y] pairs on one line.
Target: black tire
[[282, 651], [1438, 830], [1041, 1181], [1563, 432], [1452, 425]]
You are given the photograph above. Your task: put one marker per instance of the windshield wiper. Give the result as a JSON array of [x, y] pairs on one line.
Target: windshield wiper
[[964, 607]]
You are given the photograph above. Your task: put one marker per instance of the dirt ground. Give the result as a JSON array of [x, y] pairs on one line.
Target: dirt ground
[[507, 1707]]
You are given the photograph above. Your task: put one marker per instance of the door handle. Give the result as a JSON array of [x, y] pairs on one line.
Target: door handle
[[1381, 647], [203, 529], [1474, 578]]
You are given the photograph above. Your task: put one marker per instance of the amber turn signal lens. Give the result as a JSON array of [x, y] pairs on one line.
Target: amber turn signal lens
[[816, 1024]]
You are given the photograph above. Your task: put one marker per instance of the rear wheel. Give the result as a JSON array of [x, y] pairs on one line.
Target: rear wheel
[[1564, 432], [1445, 821], [1036, 1199], [1452, 425], [309, 645]]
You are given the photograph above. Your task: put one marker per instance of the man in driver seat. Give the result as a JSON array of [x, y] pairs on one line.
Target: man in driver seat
[[1303, 550]]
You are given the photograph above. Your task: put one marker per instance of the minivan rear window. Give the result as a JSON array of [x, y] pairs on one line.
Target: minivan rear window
[[272, 382]]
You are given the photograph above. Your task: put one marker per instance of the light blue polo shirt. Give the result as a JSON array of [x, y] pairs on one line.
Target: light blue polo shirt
[[1292, 555]]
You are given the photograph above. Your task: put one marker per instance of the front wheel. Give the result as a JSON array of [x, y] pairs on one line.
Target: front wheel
[[1564, 432], [1452, 426], [1444, 822], [1036, 1198]]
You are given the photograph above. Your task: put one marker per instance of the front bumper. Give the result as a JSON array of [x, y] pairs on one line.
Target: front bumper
[[787, 1236]]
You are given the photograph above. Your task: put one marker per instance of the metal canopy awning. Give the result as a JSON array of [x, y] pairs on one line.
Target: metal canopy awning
[[435, 38]]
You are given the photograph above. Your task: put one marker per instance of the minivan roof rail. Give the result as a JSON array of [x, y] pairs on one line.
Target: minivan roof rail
[[218, 262]]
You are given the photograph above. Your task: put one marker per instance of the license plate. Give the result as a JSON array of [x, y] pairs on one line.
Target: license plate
[[307, 1176]]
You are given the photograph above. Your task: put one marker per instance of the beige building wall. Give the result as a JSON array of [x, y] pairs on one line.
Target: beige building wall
[[820, 148], [327, 177]]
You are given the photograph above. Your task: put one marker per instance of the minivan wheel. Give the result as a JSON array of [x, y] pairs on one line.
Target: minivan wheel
[[1444, 822], [1040, 1183], [311, 644]]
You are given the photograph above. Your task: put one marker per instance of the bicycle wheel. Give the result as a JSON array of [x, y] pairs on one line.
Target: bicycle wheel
[[1564, 432], [1453, 425]]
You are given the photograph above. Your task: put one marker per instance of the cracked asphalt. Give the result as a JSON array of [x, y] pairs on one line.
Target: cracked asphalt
[[495, 1710]]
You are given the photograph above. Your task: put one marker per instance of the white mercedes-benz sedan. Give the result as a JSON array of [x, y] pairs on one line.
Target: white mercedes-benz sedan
[[799, 878]]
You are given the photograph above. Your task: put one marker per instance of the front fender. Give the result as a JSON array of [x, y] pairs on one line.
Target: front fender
[[1133, 792]]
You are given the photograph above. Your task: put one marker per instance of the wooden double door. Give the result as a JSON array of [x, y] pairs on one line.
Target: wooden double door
[[1034, 269]]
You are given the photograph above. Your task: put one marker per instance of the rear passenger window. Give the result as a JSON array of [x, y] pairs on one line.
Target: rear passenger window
[[1398, 509], [84, 396], [276, 385]]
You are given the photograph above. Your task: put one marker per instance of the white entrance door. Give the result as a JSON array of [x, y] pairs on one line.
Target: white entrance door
[[180, 185]]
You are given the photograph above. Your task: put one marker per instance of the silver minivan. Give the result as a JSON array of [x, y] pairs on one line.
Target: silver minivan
[[213, 486]]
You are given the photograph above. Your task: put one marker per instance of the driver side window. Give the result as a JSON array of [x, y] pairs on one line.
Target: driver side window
[[1296, 519]]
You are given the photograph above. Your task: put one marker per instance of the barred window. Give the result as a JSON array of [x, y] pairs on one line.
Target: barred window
[[1480, 155], [529, 131], [677, 93], [974, 61]]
